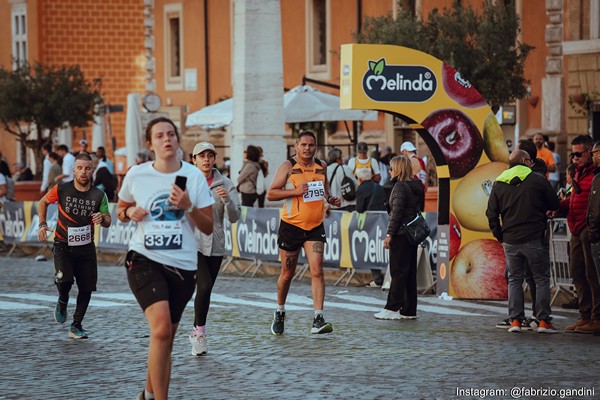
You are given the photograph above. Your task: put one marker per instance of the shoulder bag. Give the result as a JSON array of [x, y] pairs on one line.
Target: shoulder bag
[[416, 230]]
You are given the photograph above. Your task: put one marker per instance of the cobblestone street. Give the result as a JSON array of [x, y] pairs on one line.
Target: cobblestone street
[[454, 344]]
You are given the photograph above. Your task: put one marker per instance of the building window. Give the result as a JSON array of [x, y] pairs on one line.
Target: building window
[[19, 34], [173, 47], [585, 37], [404, 6], [318, 38]]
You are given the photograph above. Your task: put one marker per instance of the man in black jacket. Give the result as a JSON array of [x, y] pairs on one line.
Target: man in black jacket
[[370, 196], [520, 199]]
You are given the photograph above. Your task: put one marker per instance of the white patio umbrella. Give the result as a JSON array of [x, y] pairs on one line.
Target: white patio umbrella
[[303, 103], [133, 128], [214, 116]]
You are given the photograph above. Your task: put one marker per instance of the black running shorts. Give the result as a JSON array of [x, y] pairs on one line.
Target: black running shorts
[[76, 263], [291, 238], [151, 282]]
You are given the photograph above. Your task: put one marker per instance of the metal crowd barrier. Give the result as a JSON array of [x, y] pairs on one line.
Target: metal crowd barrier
[[559, 257]]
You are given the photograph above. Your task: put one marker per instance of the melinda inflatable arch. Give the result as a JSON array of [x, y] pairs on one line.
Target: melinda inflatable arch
[[465, 140]]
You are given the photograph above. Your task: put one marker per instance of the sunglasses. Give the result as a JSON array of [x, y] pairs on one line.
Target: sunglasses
[[578, 154]]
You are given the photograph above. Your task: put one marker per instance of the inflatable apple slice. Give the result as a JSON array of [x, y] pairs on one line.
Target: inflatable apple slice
[[460, 89]]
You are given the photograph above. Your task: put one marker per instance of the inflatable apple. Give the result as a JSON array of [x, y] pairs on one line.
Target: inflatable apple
[[494, 143], [470, 197], [458, 138], [477, 271], [460, 89]]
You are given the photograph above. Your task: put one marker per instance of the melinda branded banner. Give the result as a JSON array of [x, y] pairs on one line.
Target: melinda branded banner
[[353, 240], [465, 140]]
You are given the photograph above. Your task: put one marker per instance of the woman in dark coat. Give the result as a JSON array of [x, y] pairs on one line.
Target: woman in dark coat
[[406, 200]]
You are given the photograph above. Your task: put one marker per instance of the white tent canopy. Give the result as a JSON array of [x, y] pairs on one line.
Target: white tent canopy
[[301, 104]]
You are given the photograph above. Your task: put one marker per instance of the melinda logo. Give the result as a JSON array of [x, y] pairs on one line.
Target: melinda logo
[[399, 83]]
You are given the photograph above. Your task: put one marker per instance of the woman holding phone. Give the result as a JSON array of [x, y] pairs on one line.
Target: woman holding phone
[[211, 247], [168, 199]]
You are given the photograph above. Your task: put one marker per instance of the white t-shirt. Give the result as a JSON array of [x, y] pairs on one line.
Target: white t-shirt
[[356, 162], [67, 166], [45, 171], [166, 235]]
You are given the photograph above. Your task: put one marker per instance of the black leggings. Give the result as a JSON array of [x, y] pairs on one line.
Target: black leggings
[[208, 269], [83, 299]]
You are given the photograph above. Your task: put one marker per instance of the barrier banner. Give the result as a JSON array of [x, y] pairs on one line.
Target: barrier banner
[[254, 235], [31, 214], [118, 235], [353, 240], [368, 232], [14, 224]]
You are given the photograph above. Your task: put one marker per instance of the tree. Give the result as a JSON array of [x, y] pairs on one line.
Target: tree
[[36, 101], [484, 47]]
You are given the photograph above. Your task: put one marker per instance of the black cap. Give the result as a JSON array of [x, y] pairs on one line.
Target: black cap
[[362, 147]]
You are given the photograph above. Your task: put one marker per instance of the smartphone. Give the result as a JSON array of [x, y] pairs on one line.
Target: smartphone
[[181, 181]]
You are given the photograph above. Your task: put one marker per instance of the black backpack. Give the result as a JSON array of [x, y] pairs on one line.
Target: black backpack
[[348, 188]]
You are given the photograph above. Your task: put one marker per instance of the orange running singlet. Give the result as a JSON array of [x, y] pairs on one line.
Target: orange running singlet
[[306, 212]]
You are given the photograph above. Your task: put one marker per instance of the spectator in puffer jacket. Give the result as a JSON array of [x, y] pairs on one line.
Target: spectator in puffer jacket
[[582, 266]]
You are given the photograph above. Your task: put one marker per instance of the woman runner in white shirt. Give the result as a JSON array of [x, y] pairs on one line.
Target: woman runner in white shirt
[[162, 260]]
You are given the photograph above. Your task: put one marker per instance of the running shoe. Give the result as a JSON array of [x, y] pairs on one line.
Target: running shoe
[[504, 324], [320, 326], [387, 314], [77, 331], [198, 342], [546, 327], [60, 312], [515, 326], [278, 322]]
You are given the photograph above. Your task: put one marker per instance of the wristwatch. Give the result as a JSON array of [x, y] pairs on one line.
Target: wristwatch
[[189, 210]]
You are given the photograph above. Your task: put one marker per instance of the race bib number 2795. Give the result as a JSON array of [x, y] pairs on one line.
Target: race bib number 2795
[[316, 192]]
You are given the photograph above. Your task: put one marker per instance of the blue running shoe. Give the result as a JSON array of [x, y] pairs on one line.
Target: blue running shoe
[[60, 312], [77, 331]]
